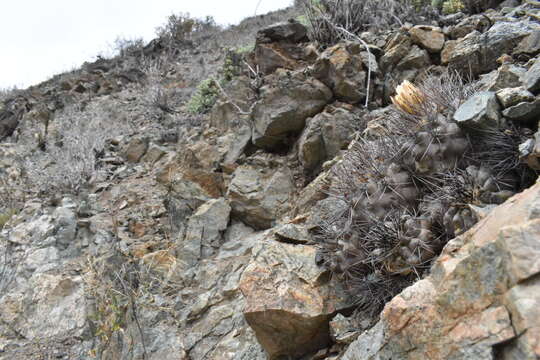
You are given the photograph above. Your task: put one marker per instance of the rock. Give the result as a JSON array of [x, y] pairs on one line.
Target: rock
[[506, 76], [512, 96], [468, 25], [529, 46], [341, 68], [286, 102], [325, 136], [342, 330], [428, 37], [416, 59], [523, 112], [478, 53], [153, 154], [272, 56], [291, 32], [134, 150], [480, 110], [224, 115], [531, 79], [293, 233], [288, 305], [448, 52], [529, 152], [204, 231], [482, 293], [396, 48], [258, 194], [241, 138]]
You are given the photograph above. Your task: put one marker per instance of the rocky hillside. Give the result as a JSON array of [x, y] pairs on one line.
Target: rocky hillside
[[287, 188]]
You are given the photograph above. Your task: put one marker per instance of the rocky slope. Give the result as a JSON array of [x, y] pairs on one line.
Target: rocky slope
[[139, 230]]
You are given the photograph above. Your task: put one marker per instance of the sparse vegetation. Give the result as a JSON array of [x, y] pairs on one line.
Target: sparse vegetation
[[325, 17], [204, 97]]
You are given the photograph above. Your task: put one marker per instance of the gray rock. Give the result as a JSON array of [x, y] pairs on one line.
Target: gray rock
[[291, 31], [480, 110], [506, 76], [259, 194], [513, 96], [341, 68], [311, 151], [478, 52], [8, 123], [204, 231], [416, 59], [523, 112], [531, 79], [343, 330], [530, 45], [286, 102], [293, 233]]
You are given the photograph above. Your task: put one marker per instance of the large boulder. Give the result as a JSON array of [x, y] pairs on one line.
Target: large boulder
[[287, 100], [288, 303], [480, 301], [480, 110]]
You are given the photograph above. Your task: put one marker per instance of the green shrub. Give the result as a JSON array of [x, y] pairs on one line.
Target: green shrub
[[204, 97]]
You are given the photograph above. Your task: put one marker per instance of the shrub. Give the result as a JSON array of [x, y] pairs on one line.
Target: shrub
[[328, 18], [204, 98], [70, 154], [402, 196]]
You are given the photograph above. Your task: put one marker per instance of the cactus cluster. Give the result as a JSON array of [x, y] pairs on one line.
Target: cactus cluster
[[404, 194]]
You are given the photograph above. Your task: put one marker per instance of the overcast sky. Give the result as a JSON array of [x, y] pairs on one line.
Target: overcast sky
[[40, 38]]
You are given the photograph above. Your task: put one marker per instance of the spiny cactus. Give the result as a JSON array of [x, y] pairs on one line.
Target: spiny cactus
[[404, 194]]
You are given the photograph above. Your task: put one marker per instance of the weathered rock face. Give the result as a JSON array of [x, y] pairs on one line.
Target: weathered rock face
[[342, 69], [289, 301], [523, 112], [324, 136], [513, 96], [8, 123], [480, 295], [286, 102], [258, 194]]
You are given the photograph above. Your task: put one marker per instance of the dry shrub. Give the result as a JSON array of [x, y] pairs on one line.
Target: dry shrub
[[325, 17]]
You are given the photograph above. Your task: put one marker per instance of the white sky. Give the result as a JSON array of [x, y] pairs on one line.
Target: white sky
[[40, 38]]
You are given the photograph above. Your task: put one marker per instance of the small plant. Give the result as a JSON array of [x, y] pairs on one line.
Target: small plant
[[204, 97]]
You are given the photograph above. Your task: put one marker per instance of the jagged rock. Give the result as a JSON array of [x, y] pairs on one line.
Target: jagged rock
[[480, 110], [341, 68], [478, 52], [204, 231], [530, 152], [293, 233], [288, 304], [530, 45], [238, 143], [286, 102], [428, 37], [416, 59], [523, 112], [224, 115], [324, 136], [258, 194], [482, 293], [513, 96], [506, 76], [395, 49], [531, 79], [291, 31], [468, 25], [343, 330], [448, 51], [135, 149]]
